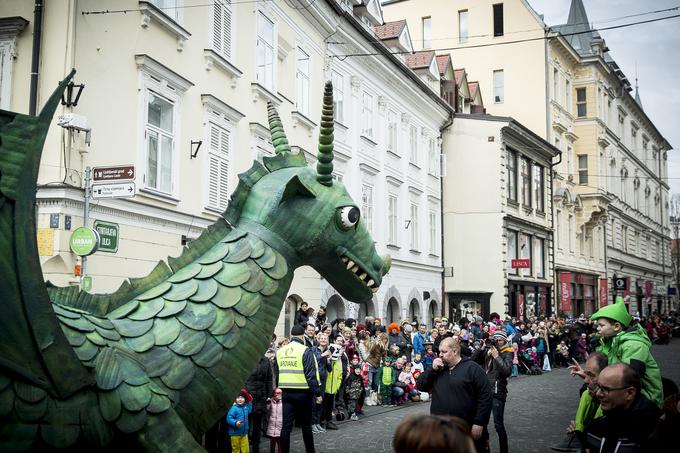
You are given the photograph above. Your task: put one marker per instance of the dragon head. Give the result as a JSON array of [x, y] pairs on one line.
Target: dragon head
[[308, 216]]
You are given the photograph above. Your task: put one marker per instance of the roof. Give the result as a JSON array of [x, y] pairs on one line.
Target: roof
[[390, 30], [442, 62], [577, 30], [422, 59], [473, 89], [459, 73]]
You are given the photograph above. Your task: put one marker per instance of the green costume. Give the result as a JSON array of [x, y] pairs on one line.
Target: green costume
[[631, 346], [386, 376]]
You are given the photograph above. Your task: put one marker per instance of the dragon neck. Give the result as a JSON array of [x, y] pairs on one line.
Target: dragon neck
[[273, 240]]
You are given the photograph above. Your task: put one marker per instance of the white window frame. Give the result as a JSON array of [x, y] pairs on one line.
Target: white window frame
[[171, 8], [7, 52], [338, 81], [498, 86], [463, 25], [525, 252], [302, 83], [413, 144], [624, 238], [560, 228], [511, 249], [538, 250], [221, 156], [222, 44], [570, 229], [149, 130], [415, 243], [265, 76], [433, 225], [367, 114], [583, 169], [556, 85], [582, 103], [392, 132], [392, 220], [426, 23], [432, 157], [367, 206]]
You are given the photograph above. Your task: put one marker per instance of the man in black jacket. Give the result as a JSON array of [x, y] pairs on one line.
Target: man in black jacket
[[459, 388], [496, 358]]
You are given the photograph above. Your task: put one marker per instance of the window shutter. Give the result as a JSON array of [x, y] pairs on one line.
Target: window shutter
[[218, 186], [218, 32], [214, 187], [226, 31]]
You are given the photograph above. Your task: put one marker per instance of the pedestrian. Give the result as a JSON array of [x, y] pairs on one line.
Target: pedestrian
[[275, 423], [354, 389], [322, 354], [298, 377], [301, 315], [386, 377], [310, 332], [515, 361], [433, 434], [419, 340], [377, 351], [496, 360], [260, 385], [417, 364], [460, 388], [334, 379], [237, 419], [429, 356]]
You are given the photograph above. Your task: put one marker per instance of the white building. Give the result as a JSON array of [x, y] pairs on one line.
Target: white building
[[164, 76]]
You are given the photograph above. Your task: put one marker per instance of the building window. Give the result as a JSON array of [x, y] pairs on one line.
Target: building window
[[556, 85], [570, 231], [413, 142], [218, 166], [581, 111], [414, 226], [583, 169], [170, 8], [6, 63], [392, 131], [367, 206], [160, 142], [539, 257], [432, 157], [338, 96], [567, 95], [367, 115], [433, 233], [222, 30], [302, 82], [265, 52], [558, 228], [498, 19], [392, 220], [570, 163], [624, 238], [538, 187], [427, 32], [462, 26], [512, 250], [582, 241], [498, 86], [624, 185], [512, 175], [525, 250], [525, 172]]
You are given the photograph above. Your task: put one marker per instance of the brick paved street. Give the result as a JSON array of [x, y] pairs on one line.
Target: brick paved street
[[537, 412]]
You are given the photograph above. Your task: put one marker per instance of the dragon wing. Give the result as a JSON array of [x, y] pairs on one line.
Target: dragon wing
[[32, 345]]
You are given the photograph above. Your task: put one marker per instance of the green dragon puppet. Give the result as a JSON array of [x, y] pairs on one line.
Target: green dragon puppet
[[155, 364]]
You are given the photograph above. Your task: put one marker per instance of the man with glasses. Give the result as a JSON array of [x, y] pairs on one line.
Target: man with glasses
[[629, 417]]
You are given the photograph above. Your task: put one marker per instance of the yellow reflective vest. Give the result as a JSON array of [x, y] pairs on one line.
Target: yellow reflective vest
[[291, 368], [334, 378]]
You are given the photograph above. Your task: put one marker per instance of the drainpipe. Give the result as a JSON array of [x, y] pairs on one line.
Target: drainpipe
[[446, 125], [35, 59], [556, 282]]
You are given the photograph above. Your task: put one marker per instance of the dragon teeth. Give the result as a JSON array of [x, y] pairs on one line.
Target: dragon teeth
[[355, 269], [363, 276], [370, 283], [350, 263], [345, 259], [375, 290]]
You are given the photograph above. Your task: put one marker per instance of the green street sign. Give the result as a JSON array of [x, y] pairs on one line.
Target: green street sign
[[108, 234], [84, 241], [86, 284]]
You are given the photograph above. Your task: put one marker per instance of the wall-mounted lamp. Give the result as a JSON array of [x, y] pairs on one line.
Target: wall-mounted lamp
[[194, 151], [67, 98]]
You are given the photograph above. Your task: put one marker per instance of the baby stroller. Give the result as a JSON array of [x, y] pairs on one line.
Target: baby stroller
[[527, 366]]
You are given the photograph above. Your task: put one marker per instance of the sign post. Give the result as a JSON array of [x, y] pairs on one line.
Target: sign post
[[115, 173]]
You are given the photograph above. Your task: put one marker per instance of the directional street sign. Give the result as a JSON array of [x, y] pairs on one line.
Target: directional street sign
[[108, 236], [113, 190], [117, 173]]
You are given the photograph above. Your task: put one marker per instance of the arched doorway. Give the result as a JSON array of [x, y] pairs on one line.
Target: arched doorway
[[365, 309], [391, 311], [290, 307], [414, 310], [431, 312], [335, 308]]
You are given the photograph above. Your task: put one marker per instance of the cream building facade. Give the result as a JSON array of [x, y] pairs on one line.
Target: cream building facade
[[544, 80], [164, 76]]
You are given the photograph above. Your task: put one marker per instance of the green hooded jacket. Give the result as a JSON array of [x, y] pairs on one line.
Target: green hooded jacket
[[633, 345]]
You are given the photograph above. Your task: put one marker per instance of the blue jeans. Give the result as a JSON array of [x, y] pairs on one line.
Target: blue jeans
[[371, 377], [498, 410]]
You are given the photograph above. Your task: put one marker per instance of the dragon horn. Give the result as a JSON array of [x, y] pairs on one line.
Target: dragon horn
[[279, 139], [324, 166]]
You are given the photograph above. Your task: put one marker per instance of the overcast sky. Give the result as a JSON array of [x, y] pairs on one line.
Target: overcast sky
[[655, 47]]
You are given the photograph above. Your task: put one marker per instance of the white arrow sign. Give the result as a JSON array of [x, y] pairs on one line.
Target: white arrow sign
[[118, 190]]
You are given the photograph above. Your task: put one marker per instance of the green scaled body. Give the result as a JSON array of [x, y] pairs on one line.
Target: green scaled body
[[157, 363]]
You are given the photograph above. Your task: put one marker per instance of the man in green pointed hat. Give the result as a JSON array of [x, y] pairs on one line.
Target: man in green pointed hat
[[623, 343]]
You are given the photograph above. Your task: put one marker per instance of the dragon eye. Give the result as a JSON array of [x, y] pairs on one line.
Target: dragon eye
[[349, 217]]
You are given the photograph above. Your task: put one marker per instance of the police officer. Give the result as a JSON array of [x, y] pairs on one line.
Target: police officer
[[298, 376]]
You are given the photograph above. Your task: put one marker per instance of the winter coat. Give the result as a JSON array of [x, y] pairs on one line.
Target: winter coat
[[398, 340], [376, 354], [301, 318], [260, 385], [632, 346], [497, 370], [419, 340], [353, 387], [275, 418], [239, 413]]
